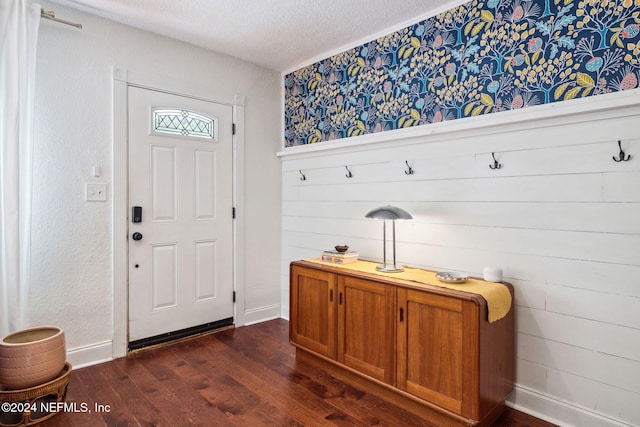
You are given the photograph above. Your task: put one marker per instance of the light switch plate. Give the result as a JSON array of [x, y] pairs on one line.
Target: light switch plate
[[95, 192]]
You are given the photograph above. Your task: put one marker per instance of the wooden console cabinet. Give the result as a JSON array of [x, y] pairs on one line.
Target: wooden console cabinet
[[427, 349]]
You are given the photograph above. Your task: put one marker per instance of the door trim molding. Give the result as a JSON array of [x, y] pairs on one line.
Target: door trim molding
[[122, 79]]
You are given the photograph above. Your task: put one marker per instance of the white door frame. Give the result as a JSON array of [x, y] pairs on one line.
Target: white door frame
[[122, 79]]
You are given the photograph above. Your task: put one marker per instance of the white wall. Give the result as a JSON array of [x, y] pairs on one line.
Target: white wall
[[72, 239], [560, 218]]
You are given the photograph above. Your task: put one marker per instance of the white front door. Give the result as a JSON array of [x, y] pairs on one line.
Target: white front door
[[180, 176]]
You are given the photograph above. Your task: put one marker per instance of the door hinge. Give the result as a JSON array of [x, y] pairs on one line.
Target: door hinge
[[233, 212], [234, 296], [233, 128]]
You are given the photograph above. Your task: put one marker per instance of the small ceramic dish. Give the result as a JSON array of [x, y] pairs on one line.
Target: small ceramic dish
[[451, 277]]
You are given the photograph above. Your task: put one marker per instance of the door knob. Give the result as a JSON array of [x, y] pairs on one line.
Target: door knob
[[137, 236]]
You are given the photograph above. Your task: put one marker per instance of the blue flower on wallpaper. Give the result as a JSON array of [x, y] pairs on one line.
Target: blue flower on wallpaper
[[474, 59]]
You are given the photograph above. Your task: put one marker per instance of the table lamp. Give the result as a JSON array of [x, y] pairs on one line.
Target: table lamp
[[391, 213]]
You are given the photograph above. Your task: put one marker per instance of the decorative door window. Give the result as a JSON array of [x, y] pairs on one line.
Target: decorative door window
[[178, 122]]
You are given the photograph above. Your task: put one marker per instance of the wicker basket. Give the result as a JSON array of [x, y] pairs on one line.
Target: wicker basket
[[32, 400]]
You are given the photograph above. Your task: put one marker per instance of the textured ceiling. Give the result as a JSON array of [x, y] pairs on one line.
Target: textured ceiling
[[278, 34]]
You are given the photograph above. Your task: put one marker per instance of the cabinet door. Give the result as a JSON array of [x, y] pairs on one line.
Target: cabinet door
[[437, 354], [312, 310], [366, 327]]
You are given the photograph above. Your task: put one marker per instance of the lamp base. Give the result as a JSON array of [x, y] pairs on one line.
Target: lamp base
[[384, 268]]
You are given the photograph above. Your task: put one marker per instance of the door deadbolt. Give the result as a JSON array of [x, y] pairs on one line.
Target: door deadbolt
[[136, 214]]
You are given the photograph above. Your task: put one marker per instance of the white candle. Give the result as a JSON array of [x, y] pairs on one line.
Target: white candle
[[492, 274]]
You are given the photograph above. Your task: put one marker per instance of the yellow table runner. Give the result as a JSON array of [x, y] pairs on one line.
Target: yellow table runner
[[497, 295]]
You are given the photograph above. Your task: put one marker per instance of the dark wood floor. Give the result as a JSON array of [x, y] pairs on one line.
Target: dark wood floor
[[239, 377]]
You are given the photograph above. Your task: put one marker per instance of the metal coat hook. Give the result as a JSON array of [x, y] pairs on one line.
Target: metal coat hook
[[622, 157], [349, 174], [409, 170], [302, 177], [495, 164]]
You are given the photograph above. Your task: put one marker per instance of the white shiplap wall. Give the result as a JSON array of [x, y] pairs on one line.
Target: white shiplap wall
[[561, 218]]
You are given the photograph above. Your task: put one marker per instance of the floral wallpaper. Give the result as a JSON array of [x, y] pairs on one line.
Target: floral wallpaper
[[477, 58]]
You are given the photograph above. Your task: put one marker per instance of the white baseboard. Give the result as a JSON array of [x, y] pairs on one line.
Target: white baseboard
[[91, 354], [103, 351], [261, 314], [558, 412]]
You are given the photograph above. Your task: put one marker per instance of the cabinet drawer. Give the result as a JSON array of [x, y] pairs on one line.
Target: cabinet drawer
[[436, 348], [312, 311], [366, 327]]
